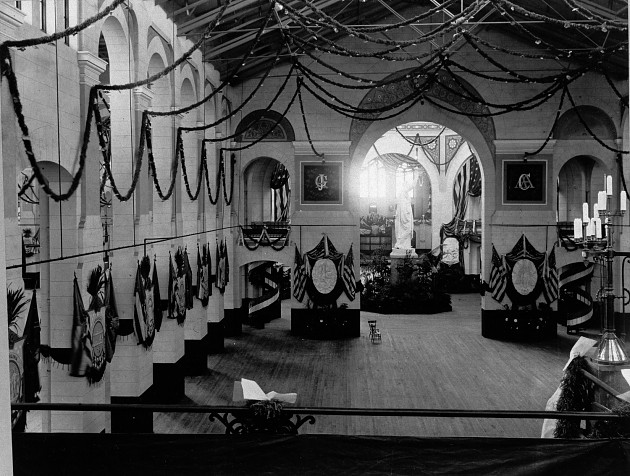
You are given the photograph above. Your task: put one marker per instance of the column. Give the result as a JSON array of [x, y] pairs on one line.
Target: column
[[10, 18], [132, 367], [313, 219], [196, 328], [529, 211], [168, 346], [214, 311]]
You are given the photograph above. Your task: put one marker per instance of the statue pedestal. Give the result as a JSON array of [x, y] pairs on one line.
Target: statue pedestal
[[397, 258]]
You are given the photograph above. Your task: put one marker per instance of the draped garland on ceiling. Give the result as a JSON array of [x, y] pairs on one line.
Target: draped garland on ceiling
[[425, 76]]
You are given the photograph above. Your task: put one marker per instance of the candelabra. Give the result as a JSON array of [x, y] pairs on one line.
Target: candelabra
[[599, 247]]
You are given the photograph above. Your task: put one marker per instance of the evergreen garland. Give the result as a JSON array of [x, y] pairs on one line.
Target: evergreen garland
[[576, 395]]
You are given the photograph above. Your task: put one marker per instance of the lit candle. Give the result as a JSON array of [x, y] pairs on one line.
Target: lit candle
[[590, 228], [622, 201], [609, 190], [601, 201], [585, 211], [577, 229], [598, 227], [596, 210]]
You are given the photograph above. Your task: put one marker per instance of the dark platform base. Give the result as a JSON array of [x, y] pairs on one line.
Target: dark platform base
[[334, 324], [74, 454], [232, 322], [196, 356], [536, 325], [133, 421], [168, 382], [215, 338]]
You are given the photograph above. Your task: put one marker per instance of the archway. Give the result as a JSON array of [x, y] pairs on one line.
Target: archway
[[479, 133], [445, 200], [267, 191]]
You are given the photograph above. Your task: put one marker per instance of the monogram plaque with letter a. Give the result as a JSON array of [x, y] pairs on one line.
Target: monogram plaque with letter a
[[322, 183], [524, 183]]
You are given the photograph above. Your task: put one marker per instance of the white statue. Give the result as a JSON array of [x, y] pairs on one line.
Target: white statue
[[404, 216]]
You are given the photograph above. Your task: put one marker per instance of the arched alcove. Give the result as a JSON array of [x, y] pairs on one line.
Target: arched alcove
[[269, 124], [570, 124], [578, 182], [262, 200]]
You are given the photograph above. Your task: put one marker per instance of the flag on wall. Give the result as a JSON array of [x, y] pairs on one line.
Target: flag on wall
[[188, 276], [209, 256], [349, 280], [80, 359], [32, 384], [299, 277], [157, 297], [226, 266], [218, 275], [550, 278], [203, 281], [177, 288], [144, 312], [111, 317], [498, 278]]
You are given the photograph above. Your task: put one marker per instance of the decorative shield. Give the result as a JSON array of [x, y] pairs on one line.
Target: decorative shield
[[524, 277], [97, 352], [324, 276]]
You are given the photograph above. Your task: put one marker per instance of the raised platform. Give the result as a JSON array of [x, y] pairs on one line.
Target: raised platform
[[106, 454]]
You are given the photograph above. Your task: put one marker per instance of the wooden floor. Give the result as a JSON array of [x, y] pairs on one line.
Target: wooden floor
[[424, 361]]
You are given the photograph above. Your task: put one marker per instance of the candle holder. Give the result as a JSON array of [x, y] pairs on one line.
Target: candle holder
[[610, 349]]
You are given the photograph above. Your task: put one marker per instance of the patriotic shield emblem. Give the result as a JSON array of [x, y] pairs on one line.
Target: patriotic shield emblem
[[97, 335]]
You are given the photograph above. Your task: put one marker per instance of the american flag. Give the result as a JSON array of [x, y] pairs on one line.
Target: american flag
[[299, 277], [498, 278], [282, 192], [474, 181], [467, 182], [460, 191], [349, 280], [550, 279]]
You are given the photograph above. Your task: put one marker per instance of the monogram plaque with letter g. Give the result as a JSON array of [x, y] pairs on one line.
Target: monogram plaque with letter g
[[322, 183]]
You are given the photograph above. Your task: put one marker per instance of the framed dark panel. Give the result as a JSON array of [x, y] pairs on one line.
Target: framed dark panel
[[322, 183], [524, 183]]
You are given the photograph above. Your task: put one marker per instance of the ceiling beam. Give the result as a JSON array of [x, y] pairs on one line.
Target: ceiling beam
[[208, 17], [251, 35]]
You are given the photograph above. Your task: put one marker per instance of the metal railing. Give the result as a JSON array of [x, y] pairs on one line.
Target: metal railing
[[288, 420]]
